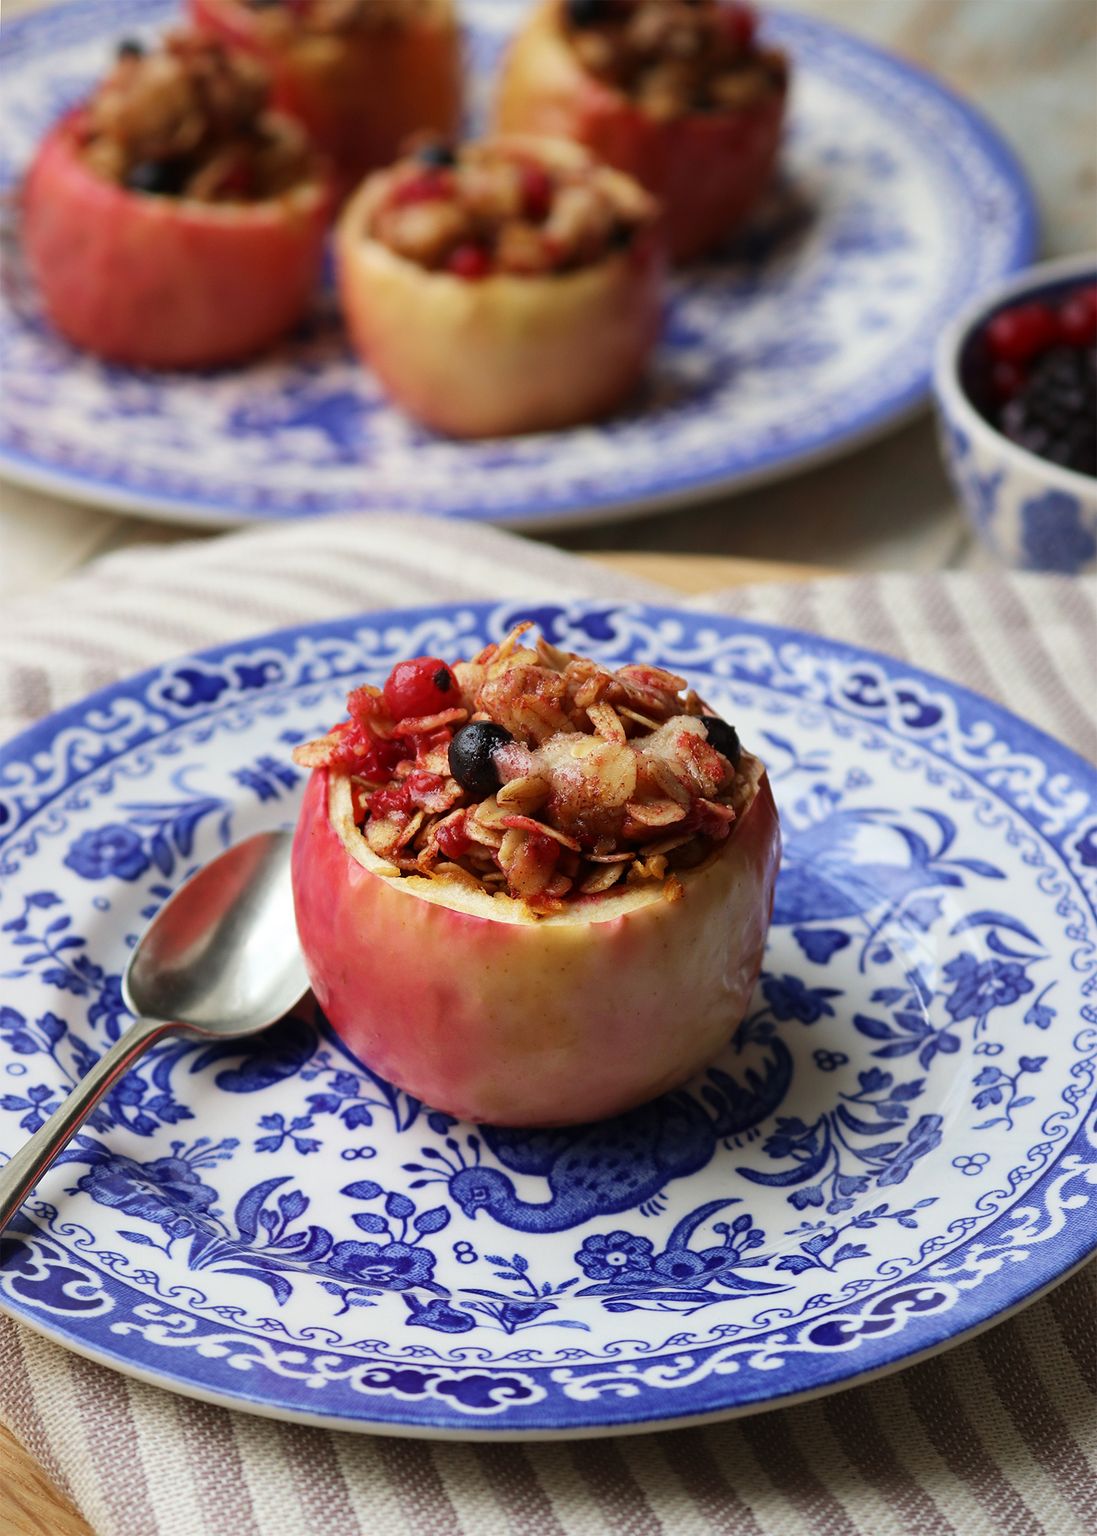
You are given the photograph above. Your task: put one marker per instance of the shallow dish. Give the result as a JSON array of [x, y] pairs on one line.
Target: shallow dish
[[279, 1230], [1029, 512], [899, 204]]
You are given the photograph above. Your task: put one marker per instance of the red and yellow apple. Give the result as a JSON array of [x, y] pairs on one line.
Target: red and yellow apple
[[359, 93], [506, 353], [479, 1008], [709, 169], [166, 282]]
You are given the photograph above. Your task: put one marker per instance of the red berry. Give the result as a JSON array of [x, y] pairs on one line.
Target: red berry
[[423, 686], [426, 187], [392, 798], [740, 23], [536, 191], [1006, 379], [452, 838], [1078, 317], [469, 261], [1019, 333]]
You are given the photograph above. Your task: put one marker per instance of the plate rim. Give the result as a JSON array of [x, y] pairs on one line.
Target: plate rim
[[561, 510], [1057, 1265]]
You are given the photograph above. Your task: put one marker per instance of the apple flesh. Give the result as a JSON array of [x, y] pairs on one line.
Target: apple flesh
[[165, 282], [470, 1003], [504, 354], [361, 94], [709, 169]]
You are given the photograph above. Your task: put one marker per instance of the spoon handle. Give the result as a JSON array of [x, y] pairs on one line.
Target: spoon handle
[[21, 1172]]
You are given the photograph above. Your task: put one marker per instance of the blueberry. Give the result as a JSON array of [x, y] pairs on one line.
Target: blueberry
[[436, 154], [724, 737], [158, 178], [588, 13], [130, 48], [470, 756]]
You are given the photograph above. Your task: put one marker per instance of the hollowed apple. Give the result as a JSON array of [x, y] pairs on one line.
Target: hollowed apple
[[360, 93], [474, 1005], [507, 353], [709, 169], [166, 282]]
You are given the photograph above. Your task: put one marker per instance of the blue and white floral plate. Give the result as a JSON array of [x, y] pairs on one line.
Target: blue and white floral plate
[[896, 1148], [900, 204]]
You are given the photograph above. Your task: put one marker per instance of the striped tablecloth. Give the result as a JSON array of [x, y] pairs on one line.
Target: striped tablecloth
[[996, 1436]]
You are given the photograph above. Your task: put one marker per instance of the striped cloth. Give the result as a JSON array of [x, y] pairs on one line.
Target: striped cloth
[[995, 1436]]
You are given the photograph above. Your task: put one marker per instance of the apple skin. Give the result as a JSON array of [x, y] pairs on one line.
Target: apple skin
[[166, 282], [523, 1021], [709, 169], [505, 354], [359, 96]]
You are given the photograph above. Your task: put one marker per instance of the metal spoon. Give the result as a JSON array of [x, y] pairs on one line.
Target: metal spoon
[[220, 958]]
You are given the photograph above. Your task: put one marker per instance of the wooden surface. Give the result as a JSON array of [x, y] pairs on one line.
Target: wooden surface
[[30, 1505]]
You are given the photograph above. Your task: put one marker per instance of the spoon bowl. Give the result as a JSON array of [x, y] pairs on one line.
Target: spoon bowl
[[221, 957]]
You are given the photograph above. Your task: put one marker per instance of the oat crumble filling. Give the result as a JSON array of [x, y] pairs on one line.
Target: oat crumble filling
[[674, 57], [496, 208], [543, 776], [189, 120]]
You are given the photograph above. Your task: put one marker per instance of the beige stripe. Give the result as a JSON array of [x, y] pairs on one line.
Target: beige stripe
[[106, 1415], [375, 1504], [207, 1442], [410, 1469], [1074, 1307], [699, 1476], [659, 1486], [268, 1476], [856, 1418], [509, 1475], [622, 1505], [1032, 658], [780, 1455], [1036, 1417], [21, 1413], [954, 1435], [321, 1487], [565, 1488]]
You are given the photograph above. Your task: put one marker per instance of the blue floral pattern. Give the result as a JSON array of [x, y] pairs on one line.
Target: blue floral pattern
[[904, 1103], [816, 329]]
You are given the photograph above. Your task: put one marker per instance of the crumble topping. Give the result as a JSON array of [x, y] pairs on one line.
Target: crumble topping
[[497, 207], [189, 119], [673, 57], [538, 774]]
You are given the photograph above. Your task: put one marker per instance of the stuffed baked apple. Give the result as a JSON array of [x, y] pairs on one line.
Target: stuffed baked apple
[[361, 75], [530, 890], [677, 93], [509, 286], [172, 221]]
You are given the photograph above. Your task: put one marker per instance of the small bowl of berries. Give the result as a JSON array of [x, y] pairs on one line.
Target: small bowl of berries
[[1016, 384]]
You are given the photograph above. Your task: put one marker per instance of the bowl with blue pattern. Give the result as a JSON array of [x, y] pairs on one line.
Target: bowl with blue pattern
[[1031, 513]]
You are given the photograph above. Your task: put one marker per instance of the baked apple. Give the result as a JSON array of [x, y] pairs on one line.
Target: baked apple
[[361, 75], [173, 222], [677, 93], [532, 891], [509, 286]]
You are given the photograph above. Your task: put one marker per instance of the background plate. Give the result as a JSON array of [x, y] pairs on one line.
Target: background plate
[[899, 204], [896, 1147]]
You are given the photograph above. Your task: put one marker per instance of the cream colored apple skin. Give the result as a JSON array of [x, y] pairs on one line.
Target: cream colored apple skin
[[492, 1015], [505, 354], [709, 169]]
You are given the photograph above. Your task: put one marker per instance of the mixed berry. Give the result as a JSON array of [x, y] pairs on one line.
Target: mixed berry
[[189, 119], [1034, 376], [496, 207], [536, 774], [673, 57]]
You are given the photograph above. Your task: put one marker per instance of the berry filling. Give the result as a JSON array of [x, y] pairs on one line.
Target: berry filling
[[673, 57], [189, 120], [1033, 375], [496, 208], [537, 774]]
